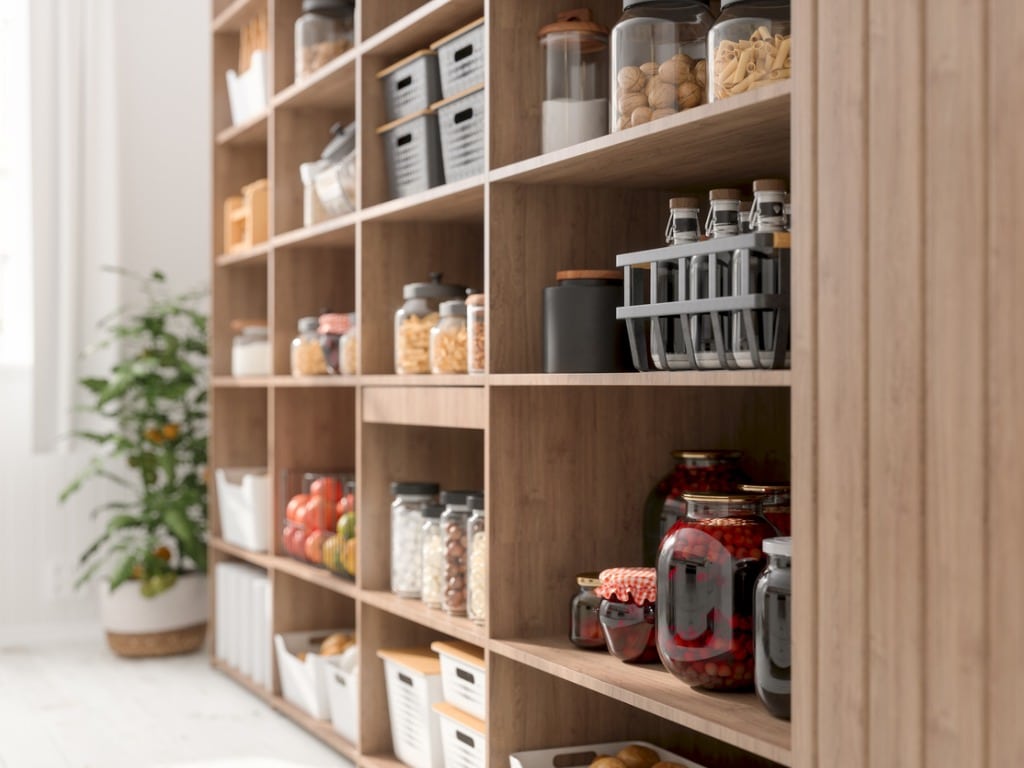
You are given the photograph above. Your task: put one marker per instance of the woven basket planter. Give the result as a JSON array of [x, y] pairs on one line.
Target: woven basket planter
[[170, 623]]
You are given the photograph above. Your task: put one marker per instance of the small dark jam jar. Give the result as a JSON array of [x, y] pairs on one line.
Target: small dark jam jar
[[585, 622], [627, 613]]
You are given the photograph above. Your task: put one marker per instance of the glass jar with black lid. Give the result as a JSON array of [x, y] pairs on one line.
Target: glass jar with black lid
[[415, 319], [322, 32], [748, 47]]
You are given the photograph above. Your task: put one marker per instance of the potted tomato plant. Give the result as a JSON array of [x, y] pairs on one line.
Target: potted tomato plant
[[151, 450]]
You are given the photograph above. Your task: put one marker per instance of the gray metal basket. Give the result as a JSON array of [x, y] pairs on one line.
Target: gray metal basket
[[460, 58], [410, 85], [461, 121], [412, 152], [764, 316]]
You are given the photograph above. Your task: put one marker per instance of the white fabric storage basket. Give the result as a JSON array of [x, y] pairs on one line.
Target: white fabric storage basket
[[463, 738], [461, 121], [410, 85], [463, 676], [412, 679], [304, 681], [460, 58], [243, 500]]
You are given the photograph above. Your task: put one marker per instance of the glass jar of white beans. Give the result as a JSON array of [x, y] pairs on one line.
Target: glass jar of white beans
[[476, 572], [432, 557]]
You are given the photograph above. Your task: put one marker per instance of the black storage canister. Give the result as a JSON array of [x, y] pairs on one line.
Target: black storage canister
[[581, 334]]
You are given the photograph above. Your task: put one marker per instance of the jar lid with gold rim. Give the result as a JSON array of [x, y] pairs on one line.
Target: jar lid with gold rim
[[588, 579]]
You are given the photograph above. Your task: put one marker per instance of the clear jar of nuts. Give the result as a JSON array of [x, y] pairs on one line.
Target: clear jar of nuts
[[476, 333], [749, 47], [659, 60], [414, 320], [456, 550], [307, 356], [448, 339]]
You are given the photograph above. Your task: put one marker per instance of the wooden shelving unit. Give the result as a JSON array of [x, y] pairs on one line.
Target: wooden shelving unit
[[565, 460]]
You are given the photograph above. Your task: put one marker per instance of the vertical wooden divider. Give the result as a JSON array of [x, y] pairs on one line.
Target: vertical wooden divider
[[896, 580], [955, 339], [841, 615], [804, 392], [1005, 360]]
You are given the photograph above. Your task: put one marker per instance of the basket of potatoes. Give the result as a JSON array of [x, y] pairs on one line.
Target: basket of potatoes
[[620, 754]]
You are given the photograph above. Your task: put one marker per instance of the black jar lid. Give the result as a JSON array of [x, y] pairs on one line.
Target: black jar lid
[[336, 8], [433, 511], [402, 488], [435, 289], [457, 498], [475, 502]]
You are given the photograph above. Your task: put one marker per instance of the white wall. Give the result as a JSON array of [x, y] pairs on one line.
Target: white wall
[[163, 125]]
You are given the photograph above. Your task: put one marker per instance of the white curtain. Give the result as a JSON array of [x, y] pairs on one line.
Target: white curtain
[[74, 199]]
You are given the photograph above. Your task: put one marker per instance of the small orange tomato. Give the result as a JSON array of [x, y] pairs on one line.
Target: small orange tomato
[[297, 502], [328, 488], [316, 513], [170, 431]]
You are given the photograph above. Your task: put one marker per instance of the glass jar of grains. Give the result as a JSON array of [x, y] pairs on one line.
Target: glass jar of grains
[[476, 334], [415, 318], [448, 339], [307, 356]]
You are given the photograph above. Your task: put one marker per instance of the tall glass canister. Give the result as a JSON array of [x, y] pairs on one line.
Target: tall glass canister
[[772, 620]]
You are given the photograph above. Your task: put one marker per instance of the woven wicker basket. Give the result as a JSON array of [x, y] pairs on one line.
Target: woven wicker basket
[[170, 643]]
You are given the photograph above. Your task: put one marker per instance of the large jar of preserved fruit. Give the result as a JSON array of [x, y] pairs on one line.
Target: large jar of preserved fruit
[[707, 567], [749, 46], [772, 620], [694, 471], [414, 320], [659, 60]]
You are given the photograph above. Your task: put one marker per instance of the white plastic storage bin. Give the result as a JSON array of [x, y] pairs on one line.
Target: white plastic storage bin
[[460, 120], [463, 738], [242, 615], [460, 58], [412, 152], [463, 676], [342, 680], [570, 757], [243, 499], [410, 85], [412, 678], [304, 681], [335, 185]]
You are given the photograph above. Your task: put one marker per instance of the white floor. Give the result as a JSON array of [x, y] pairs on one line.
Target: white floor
[[73, 704]]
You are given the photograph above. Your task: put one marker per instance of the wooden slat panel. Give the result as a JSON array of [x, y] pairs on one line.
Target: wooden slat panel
[[895, 388], [456, 407], [1006, 382], [955, 347], [804, 189], [842, 191]]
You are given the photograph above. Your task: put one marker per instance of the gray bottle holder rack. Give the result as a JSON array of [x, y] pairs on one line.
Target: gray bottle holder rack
[[642, 315]]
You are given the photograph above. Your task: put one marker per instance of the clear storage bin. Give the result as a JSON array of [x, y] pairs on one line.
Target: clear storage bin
[[659, 60], [749, 46]]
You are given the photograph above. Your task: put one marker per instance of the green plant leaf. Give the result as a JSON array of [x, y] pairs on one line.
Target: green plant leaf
[[123, 572]]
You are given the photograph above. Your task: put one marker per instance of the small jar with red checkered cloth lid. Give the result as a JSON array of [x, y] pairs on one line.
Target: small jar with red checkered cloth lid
[[627, 613], [707, 568]]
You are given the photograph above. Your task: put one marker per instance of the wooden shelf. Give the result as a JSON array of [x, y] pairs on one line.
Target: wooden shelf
[[648, 379], [418, 29], [241, 382], [381, 761], [255, 257], [322, 729], [736, 718], [459, 201], [333, 86], [243, 680], [433, 618], [339, 232], [311, 574], [456, 407], [260, 559], [237, 14], [394, 380], [731, 141], [253, 132], [314, 382]]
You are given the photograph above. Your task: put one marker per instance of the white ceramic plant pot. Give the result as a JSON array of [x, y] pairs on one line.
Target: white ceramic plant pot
[[174, 621]]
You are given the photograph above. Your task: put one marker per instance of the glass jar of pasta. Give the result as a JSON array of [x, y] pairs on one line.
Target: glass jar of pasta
[[415, 318], [749, 47], [659, 60]]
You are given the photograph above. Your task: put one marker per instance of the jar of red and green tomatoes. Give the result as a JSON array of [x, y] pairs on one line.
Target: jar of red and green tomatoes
[[695, 471], [707, 567]]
